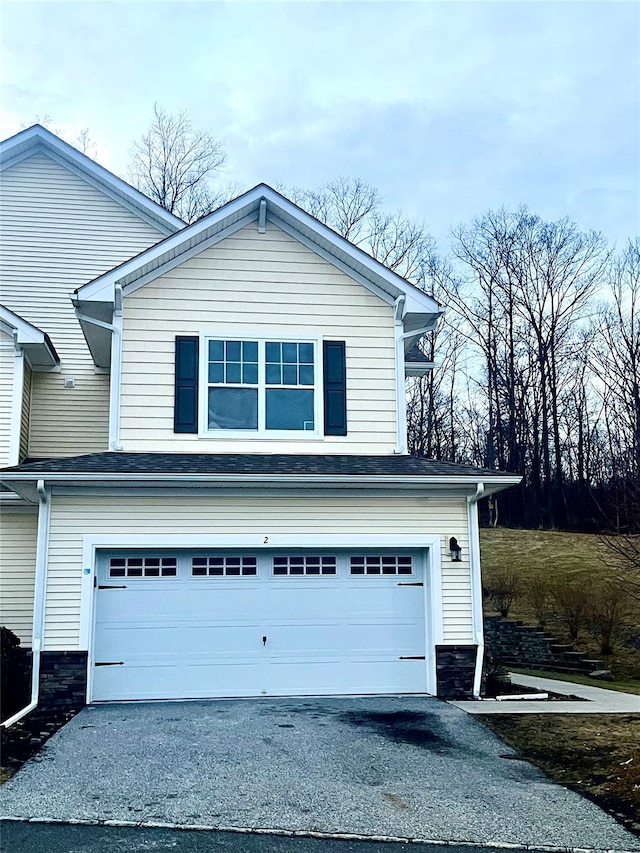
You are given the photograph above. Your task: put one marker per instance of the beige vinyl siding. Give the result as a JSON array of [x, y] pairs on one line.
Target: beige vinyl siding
[[26, 411], [6, 399], [273, 283], [58, 232], [18, 535], [74, 517]]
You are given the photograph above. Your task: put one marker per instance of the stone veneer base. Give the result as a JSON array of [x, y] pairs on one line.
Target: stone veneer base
[[455, 670]]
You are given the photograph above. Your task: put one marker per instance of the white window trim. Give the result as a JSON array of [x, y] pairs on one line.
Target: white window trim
[[262, 432]]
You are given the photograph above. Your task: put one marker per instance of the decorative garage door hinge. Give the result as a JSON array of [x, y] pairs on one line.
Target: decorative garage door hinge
[[112, 587], [412, 657], [109, 663], [419, 583]]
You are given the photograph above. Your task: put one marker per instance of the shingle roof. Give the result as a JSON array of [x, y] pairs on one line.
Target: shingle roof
[[251, 464]]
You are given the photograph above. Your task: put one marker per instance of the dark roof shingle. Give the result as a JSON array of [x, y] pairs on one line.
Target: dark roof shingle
[[250, 464]]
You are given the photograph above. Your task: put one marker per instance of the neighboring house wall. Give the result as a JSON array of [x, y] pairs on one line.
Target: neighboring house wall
[[6, 396], [58, 232], [18, 531], [26, 412], [273, 283], [74, 517]]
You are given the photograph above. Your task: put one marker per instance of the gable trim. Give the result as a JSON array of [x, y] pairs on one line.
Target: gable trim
[[39, 140], [293, 220]]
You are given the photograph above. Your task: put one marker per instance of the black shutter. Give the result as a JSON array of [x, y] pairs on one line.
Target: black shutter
[[335, 388], [185, 416]]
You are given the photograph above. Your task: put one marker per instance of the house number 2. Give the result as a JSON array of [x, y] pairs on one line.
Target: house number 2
[[266, 539]]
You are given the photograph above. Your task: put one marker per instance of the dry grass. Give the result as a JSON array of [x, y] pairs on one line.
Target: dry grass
[[597, 755], [554, 557]]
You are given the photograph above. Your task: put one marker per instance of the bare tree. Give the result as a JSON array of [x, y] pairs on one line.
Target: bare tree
[[353, 208], [83, 141], [173, 163]]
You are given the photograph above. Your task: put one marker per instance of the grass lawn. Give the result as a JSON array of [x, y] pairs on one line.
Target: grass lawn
[[554, 556], [597, 755], [621, 685]]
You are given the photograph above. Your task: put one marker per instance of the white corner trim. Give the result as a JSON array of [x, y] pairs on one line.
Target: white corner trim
[[476, 584], [434, 617], [16, 405], [401, 397]]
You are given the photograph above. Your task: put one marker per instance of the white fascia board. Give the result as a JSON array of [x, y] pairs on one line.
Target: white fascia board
[[37, 139], [266, 480], [26, 333], [35, 343], [415, 369], [151, 263]]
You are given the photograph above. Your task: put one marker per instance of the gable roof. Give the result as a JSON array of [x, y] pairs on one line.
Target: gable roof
[[38, 140], [36, 344], [263, 204]]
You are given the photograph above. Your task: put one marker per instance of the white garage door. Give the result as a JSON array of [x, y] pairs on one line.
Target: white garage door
[[176, 624]]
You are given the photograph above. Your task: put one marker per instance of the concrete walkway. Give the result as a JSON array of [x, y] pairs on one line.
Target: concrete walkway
[[598, 700]]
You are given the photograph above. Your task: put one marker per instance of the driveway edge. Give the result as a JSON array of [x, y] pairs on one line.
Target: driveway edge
[[299, 833]]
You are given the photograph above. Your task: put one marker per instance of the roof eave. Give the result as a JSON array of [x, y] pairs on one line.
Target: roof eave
[[25, 483]]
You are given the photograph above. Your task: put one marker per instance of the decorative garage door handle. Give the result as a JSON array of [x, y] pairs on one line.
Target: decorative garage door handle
[[112, 587], [411, 584], [109, 663], [412, 657]]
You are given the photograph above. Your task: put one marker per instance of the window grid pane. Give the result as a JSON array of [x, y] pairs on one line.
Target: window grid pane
[[233, 362], [217, 566], [375, 564], [304, 565], [143, 567], [289, 364]]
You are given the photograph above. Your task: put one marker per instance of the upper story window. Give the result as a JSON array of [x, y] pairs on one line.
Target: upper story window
[[261, 385], [253, 386]]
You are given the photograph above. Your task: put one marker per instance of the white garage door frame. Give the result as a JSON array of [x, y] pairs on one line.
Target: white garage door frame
[[432, 589]]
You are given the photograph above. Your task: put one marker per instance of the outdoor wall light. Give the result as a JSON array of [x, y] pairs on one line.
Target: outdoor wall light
[[456, 550]]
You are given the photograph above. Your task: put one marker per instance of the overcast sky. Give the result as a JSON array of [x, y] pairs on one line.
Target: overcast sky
[[449, 108]]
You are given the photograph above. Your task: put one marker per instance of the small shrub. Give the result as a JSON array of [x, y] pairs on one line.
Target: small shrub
[[15, 674], [572, 602], [539, 595], [502, 591], [606, 611]]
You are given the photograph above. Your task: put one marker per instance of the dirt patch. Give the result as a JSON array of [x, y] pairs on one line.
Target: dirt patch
[[27, 737], [597, 755]]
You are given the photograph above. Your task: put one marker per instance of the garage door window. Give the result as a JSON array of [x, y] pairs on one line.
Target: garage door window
[[300, 565], [143, 567], [218, 566], [381, 565]]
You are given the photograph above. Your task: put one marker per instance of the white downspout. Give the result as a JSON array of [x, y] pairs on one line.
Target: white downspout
[[116, 372], [401, 396], [42, 550], [476, 585]]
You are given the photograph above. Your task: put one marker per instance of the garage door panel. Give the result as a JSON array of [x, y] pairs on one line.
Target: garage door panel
[[189, 636]]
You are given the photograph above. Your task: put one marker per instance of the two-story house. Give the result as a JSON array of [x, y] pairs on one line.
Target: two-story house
[[208, 491]]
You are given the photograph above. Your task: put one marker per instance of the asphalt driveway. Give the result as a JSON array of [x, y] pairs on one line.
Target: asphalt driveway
[[399, 767]]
